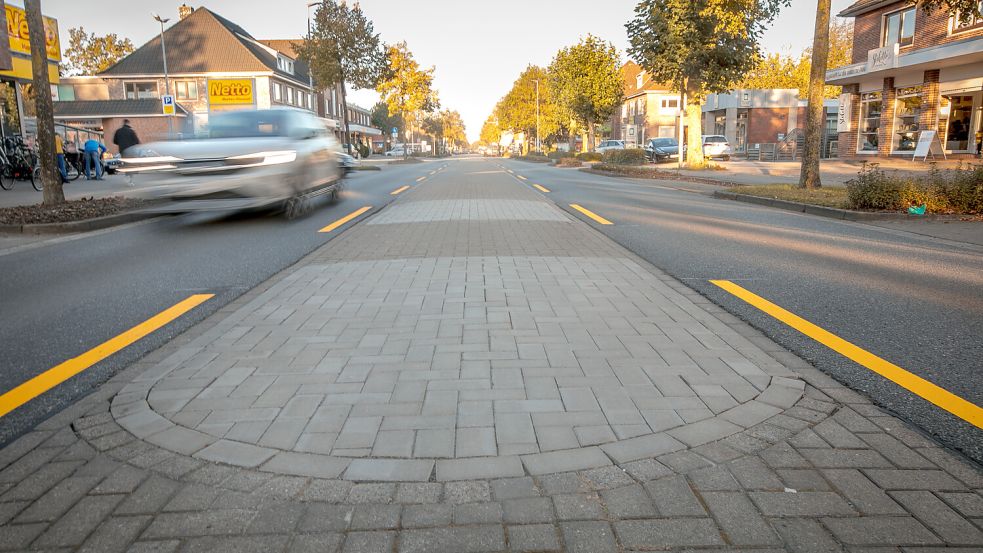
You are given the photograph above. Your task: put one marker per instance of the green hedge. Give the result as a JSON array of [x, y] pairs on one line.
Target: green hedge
[[628, 156], [560, 154], [958, 190], [590, 156]]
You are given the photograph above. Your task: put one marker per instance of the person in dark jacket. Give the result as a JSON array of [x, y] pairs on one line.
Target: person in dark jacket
[[125, 137]]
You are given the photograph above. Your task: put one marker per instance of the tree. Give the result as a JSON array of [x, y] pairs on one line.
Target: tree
[[382, 119], [701, 46], [88, 54], [516, 111], [455, 133], [491, 133], [815, 112], [406, 89], [343, 48], [586, 81], [965, 8], [50, 179]]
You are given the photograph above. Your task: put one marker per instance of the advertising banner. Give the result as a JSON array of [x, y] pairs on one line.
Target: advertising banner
[[20, 41], [225, 92]]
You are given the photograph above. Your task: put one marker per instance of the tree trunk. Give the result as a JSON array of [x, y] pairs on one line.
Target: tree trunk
[[344, 117], [815, 113], [590, 136], [694, 124], [50, 178]]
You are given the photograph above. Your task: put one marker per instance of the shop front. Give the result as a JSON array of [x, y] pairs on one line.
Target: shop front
[[17, 93]]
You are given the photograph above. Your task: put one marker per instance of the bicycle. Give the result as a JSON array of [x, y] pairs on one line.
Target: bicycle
[[18, 162]]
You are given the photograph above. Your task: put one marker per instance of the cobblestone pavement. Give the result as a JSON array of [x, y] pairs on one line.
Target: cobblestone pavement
[[473, 370]]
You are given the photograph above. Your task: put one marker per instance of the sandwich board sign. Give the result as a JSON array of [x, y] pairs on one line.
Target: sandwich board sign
[[167, 101], [928, 143]]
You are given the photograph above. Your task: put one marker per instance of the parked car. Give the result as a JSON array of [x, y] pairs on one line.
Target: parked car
[[257, 159], [611, 145], [716, 146], [399, 151], [662, 149], [347, 162]]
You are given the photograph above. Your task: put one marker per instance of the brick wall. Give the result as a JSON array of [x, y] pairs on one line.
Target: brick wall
[[928, 118], [148, 129], [885, 134], [765, 124], [931, 29]]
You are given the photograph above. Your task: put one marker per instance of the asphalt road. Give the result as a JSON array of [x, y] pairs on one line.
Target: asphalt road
[[59, 299], [913, 300]]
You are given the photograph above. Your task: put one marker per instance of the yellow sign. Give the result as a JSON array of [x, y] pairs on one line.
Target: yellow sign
[[168, 102], [230, 91], [20, 39], [23, 70]]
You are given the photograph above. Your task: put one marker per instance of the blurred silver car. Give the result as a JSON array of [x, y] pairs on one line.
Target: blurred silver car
[[256, 159]]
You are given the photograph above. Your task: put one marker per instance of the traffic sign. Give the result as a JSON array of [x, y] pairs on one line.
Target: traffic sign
[[167, 101]]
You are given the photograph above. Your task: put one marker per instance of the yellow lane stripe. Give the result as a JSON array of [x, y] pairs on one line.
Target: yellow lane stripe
[[541, 188], [60, 373], [521, 177], [941, 397], [345, 219], [591, 214], [420, 179], [399, 190]]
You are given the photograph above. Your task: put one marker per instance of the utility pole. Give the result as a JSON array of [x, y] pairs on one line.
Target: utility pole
[[167, 86], [50, 178]]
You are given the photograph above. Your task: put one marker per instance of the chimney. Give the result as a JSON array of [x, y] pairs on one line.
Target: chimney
[[184, 10]]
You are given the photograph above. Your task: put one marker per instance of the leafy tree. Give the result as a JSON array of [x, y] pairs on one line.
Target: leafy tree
[[382, 119], [407, 89], [491, 134], [455, 133], [586, 81], [701, 46], [516, 111], [343, 48], [965, 8], [88, 54]]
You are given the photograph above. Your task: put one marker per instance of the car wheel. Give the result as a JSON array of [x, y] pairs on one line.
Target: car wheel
[[725, 158]]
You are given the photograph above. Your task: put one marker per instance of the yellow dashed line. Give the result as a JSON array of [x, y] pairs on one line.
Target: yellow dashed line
[[399, 190], [541, 188], [591, 214], [420, 179], [345, 219]]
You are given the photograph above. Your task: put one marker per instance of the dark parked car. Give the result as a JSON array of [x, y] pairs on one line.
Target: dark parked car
[[662, 149]]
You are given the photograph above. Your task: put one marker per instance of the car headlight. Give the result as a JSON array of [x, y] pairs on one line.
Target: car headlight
[[263, 158]]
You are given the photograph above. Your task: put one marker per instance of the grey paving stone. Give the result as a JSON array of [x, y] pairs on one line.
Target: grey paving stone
[[471, 539], [739, 519], [149, 498], [467, 492], [528, 510], [807, 504], [478, 513], [236, 544], [73, 527], [604, 478], [323, 517], [514, 488], [331, 491], [866, 496], [588, 537], [750, 413], [235, 453], [753, 474], [646, 469], [115, 535], [564, 461], [883, 531], [475, 442], [155, 546], [279, 518], [316, 543], [845, 458], [198, 523], [946, 523], [428, 492], [705, 431], [534, 537], [59, 499], [562, 483], [934, 480], [578, 506], [398, 470], [479, 468], [372, 493], [802, 535], [642, 447], [666, 533], [369, 542], [375, 517], [628, 502], [306, 464], [969, 504], [421, 516], [17, 537], [715, 478], [673, 497]]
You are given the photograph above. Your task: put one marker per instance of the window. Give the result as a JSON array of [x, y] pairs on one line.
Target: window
[[899, 28], [670, 103], [278, 92], [290, 95], [870, 121], [640, 80], [907, 108], [965, 22], [140, 90], [186, 90]]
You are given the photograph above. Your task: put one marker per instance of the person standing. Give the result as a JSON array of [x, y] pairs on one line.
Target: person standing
[[93, 157], [125, 137], [60, 157]]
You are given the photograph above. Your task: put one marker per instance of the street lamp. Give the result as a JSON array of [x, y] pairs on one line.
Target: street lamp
[[538, 148], [163, 54]]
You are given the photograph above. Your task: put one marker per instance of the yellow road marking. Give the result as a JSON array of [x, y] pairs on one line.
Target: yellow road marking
[[541, 188], [591, 214], [420, 179], [399, 190], [941, 397], [345, 219], [521, 177], [62, 372]]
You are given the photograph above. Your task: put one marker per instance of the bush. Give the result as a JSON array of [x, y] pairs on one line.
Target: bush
[[590, 156], [628, 156], [569, 162], [957, 190], [364, 151], [560, 154]]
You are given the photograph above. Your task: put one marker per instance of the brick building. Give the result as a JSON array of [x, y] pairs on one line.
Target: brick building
[[912, 71], [650, 109]]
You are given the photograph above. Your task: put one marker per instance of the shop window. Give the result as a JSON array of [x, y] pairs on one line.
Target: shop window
[[186, 90], [965, 22], [907, 108], [140, 90], [899, 28], [955, 119], [870, 121], [720, 124]]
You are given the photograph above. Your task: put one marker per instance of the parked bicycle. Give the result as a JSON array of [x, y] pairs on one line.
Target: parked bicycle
[[18, 162]]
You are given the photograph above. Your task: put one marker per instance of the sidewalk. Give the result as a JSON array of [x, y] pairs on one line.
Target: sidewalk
[[474, 370], [24, 194]]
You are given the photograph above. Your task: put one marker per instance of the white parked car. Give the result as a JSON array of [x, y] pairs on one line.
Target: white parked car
[[611, 145], [258, 159], [399, 151], [716, 146]]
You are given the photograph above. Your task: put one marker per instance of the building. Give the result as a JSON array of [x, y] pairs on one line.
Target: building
[[765, 116], [912, 71], [212, 65], [649, 110]]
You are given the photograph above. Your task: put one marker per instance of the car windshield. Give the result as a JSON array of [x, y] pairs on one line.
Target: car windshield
[[248, 124], [716, 139], [664, 143]]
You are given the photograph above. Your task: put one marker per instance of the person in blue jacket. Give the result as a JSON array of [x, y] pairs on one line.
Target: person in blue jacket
[[93, 156]]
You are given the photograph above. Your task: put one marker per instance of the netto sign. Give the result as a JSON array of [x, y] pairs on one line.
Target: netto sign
[[230, 91]]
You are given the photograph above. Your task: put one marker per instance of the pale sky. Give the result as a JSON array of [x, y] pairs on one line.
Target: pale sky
[[478, 47]]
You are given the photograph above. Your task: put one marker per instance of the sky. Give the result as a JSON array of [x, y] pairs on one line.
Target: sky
[[477, 47]]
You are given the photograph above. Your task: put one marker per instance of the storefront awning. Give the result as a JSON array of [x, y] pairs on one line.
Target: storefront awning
[[936, 57], [370, 131]]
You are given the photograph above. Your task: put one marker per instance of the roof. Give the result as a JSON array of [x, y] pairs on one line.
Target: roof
[[98, 109], [629, 73], [204, 42], [861, 7]]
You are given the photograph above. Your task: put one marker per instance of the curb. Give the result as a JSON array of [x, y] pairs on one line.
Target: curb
[[80, 226], [821, 211], [663, 176]]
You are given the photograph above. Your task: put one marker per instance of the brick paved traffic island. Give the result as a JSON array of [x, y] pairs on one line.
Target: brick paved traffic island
[[473, 369]]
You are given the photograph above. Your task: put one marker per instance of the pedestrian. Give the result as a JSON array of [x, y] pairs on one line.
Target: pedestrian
[[125, 137], [60, 157], [93, 157]]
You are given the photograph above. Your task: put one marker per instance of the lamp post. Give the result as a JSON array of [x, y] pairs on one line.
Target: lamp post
[[538, 148], [163, 54]]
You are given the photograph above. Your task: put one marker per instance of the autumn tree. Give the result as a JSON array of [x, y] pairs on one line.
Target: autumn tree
[[89, 54], [455, 133], [585, 79], [343, 48], [516, 111], [491, 133], [407, 89], [382, 119], [700, 46]]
